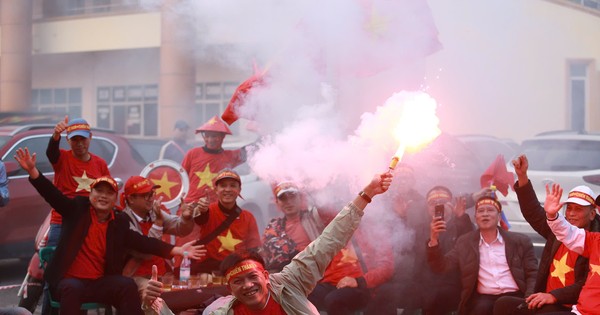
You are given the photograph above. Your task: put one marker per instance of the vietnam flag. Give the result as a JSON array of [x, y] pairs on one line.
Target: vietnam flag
[[497, 175], [231, 114]]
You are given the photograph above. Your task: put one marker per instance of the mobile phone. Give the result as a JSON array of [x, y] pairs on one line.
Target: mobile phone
[[439, 211]]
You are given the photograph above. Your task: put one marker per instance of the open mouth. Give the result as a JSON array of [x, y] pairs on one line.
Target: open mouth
[[251, 293]]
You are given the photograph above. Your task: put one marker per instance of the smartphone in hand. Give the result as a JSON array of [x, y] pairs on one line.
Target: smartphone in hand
[[439, 211]]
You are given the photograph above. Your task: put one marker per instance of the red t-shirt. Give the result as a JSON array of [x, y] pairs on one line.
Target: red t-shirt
[[89, 262], [296, 232], [344, 264], [562, 269], [272, 308], [588, 302], [73, 177], [203, 167], [145, 267], [241, 235]]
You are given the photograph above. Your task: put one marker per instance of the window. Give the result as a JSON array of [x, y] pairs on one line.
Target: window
[[212, 99], [578, 94], [58, 100], [128, 110]]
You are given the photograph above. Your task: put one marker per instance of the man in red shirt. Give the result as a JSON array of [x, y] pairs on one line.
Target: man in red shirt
[[75, 169], [204, 163], [88, 261], [224, 227]]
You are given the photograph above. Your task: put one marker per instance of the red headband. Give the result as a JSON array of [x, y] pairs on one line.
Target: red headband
[[484, 202], [243, 267], [438, 195]]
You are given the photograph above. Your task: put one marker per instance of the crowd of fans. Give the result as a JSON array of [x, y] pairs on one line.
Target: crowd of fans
[[309, 259]]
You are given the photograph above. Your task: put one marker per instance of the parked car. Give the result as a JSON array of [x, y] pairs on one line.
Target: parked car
[[569, 159], [27, 210]]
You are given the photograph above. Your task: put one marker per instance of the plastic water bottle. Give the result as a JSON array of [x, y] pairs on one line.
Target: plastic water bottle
[[184, 270]]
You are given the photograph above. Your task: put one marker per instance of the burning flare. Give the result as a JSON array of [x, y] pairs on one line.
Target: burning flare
[[418, 125]]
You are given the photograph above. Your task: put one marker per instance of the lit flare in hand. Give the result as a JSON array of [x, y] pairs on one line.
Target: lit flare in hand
[[417, 126]]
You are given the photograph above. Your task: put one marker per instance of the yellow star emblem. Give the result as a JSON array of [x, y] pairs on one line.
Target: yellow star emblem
[[561, 268], [228, 242], [376, 24], [594, 269], [206, 177], [165, 185], [348, 256], [83, 182], [212, 121]]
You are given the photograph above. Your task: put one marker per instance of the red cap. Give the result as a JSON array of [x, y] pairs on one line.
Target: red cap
[[139, 185], [215, 124], [106, 179], [228, 173]]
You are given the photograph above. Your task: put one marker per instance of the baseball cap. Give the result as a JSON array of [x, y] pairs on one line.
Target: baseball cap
[[181, 125], [285, 187], [139, 185], [78, 127], [581, 195], [228, 173], [106, 179]]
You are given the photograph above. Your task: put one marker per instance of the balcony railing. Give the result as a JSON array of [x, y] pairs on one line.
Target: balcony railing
[[593, 4]]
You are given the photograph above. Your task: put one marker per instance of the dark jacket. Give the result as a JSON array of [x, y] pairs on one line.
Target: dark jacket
[[534, 213], [465, 257], [76, 223]]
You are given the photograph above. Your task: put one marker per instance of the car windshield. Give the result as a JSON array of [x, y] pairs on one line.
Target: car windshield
[[562, 155]]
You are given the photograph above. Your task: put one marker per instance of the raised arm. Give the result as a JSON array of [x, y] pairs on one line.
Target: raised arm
[[307, 268], [53, 149], [45, 188], [571, 236]]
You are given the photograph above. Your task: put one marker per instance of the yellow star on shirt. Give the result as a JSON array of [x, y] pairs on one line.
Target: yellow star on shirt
[[348, 256], [165, 185], [83, 182], [228, 242], [206, 177], [561, 268], [595, 269]]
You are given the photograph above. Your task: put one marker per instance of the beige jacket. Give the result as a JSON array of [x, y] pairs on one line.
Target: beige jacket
[[291, 286]]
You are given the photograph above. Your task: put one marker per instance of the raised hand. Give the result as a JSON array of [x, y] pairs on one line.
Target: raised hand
[[379, 184], [194, 251], [157, 209], [552, 204], [27, 162], [461, 206], [187, 210], [521, 166], [437, 226], [60, 127]]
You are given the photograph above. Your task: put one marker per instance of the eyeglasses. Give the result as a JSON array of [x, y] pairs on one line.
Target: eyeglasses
[[146, 196]]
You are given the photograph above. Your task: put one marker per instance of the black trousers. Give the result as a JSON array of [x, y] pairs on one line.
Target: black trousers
[[510, 305], [483, 304], [334, 301], [118, 291]]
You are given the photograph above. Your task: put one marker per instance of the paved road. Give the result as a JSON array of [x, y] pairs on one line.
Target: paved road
[[12, 272]]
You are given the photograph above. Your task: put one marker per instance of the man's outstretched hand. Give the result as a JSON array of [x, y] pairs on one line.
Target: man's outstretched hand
[[27, 162], [552, 204]]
